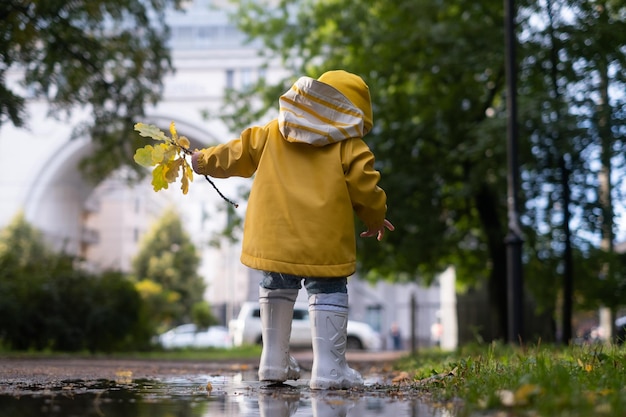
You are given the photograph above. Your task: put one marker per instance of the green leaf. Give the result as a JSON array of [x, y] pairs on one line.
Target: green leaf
[[150, 131], [144, 156]]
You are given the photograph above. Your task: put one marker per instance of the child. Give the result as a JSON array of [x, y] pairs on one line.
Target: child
[[313, 172]]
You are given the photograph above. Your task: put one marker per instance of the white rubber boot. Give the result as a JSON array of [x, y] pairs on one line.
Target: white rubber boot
[[271, 405], [329, 321], [330, 407], [276, 364]]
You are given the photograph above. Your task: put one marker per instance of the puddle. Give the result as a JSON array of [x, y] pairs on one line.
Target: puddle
[[237, 395]]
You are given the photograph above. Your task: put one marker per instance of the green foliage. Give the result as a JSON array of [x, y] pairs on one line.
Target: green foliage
[[21, 244], [48, 303], [107, 55], [166, 270], [117, 317], [202, 315], [570, 122]]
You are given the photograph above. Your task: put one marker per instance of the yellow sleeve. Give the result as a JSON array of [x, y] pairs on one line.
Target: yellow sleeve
[[237, 158], [369, 201]]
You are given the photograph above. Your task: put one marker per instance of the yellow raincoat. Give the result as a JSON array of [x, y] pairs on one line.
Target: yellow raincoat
[[313, 172]]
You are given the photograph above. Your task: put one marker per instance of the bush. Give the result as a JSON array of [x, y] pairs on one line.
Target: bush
[[46, 302]]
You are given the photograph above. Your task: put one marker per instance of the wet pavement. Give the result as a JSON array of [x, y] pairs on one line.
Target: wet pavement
[[142, 388]]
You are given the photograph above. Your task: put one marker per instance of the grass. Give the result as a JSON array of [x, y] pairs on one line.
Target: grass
[[526, 381]]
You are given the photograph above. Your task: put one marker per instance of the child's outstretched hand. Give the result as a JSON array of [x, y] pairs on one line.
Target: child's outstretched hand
[[194, 160], [380, 232]]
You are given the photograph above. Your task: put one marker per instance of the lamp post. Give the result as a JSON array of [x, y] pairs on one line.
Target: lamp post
[[513, 239]]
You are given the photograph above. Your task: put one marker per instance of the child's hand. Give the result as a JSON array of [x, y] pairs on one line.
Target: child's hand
[[194, 160], [380, 232]]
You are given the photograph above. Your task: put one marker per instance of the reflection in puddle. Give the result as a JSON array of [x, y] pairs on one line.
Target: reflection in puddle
[[188, 397]]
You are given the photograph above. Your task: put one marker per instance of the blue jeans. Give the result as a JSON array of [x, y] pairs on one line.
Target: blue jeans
[[313, 285]]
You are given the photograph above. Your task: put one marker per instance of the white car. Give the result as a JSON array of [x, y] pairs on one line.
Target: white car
[[246, 329], [188, 335]]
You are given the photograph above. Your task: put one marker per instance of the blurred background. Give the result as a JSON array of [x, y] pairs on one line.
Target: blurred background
[[91, 258]]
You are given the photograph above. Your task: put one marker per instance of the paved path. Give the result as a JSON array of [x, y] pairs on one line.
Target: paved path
[[106, 386], [44, 371]]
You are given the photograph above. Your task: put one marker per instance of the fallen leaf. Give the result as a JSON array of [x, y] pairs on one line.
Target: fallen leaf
[[124, 377], [507, 397], [402, 377], [524, 393]]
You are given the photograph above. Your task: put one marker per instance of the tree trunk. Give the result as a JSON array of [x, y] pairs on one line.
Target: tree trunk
[[495, 233], [605, 188]]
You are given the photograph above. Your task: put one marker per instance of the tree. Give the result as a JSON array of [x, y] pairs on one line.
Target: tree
[[573, 124], [166, 270], [23, 256], [108, 56], [202, 314], [21, 244]]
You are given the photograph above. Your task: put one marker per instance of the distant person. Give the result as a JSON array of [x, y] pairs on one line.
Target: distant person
[[313, 172], [436, 331], [396, 336]]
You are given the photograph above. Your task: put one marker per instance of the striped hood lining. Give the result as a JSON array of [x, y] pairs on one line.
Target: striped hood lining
[[318, 114]]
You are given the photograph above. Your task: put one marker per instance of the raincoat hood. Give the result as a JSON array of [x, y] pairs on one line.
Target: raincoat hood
[[333, 108]]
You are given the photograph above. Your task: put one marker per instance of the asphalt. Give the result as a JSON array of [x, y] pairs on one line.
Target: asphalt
[[52, 371]]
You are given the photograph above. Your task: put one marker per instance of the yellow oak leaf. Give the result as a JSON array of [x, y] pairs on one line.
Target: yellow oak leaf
[[167, 157], [172, 170], [184, 142], [173, 130], [184, 184], [159, 153], [159, 181], [170, 151]]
